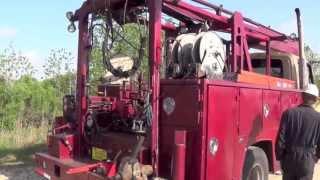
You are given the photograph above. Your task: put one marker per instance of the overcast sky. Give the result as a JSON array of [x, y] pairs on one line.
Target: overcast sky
[[34, 27]]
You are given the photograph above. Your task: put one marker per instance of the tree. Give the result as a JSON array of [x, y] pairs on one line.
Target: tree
[[59, 61], [59, 70], [14, 65], [314, 59], [126, 44], [310, 54]]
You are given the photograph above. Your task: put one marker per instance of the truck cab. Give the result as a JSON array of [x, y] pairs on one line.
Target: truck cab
[[283, 65]]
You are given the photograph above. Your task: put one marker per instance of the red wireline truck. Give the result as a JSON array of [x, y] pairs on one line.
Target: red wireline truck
[[211, 114]]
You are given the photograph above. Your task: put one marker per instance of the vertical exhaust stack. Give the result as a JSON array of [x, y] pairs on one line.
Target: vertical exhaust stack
[[303, 72]]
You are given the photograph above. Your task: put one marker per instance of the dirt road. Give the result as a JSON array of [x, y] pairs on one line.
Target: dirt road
[[26, 173], [18, 173]]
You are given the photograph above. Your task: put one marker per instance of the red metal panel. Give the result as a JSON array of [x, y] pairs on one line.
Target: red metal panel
[[250, 113], [186, 106], [290, 99], [271, 120], [184, 117], [61, 146], [249, 125], [271, 111], [222, 115], [52, 163]]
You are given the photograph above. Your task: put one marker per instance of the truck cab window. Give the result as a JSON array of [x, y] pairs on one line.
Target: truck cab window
[[259, 66]]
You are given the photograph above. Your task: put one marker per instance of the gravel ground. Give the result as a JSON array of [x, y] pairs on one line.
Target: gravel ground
[[315, 177], [18, 173]]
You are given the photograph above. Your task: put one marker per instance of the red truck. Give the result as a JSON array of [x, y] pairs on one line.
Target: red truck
[[210, 110]]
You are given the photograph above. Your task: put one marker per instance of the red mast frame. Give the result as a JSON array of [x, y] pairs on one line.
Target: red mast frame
[[245, 34]]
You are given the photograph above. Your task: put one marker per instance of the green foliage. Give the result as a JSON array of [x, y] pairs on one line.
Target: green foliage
[[130, 46], [27, 101], [314, 59], [126, 44], [310, 54], [96, 67]]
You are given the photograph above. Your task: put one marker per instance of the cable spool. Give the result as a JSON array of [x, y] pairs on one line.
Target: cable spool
[[182, 52], [195, 48], [208, 49]]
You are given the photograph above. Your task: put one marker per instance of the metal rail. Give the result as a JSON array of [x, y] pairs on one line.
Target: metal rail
[[248, 20]]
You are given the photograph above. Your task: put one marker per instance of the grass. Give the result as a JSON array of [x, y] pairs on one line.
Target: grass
[[18, 146]]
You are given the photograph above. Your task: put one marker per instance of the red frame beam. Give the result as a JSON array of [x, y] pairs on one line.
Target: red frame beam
[[155, 47], [82, 76], [279, 41]]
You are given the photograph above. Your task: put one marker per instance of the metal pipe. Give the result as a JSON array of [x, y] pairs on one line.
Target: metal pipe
[[221, 9], [303, 73], [179, 161], [137, 148], [300, 34], [213, 6]]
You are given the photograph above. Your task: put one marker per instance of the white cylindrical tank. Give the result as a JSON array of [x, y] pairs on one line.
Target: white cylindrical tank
[[208, 49], [182, 48]]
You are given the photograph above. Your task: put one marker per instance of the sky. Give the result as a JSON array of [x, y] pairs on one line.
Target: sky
[[34, 27]]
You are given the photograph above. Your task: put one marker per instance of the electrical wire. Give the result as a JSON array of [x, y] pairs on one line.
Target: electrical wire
[[125, 11], [112, 36]]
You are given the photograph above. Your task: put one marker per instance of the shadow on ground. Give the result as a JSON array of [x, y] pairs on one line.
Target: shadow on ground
[[18, 164], [21, 156], [18, 172]]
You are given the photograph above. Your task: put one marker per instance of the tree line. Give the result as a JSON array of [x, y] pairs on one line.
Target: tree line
[[29, 101]]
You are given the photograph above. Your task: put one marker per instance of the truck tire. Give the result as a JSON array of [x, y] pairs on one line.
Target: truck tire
[[256, 165]]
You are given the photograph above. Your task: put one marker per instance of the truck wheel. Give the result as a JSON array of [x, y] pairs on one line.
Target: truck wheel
[[256, 165]]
